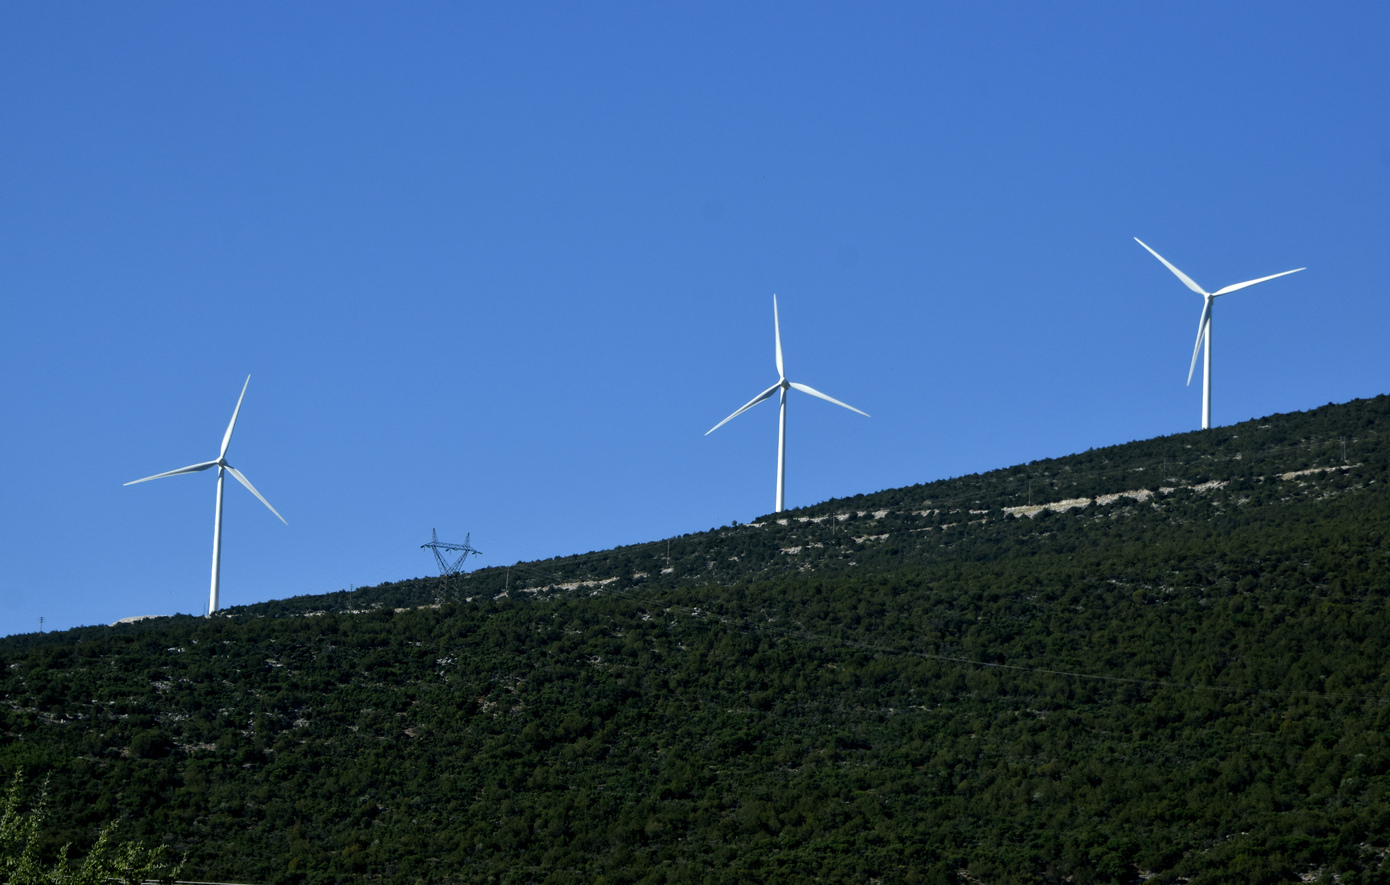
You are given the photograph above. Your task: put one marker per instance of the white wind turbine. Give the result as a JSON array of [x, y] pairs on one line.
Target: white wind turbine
[[1204, 325], [782, 385], [222, 468]]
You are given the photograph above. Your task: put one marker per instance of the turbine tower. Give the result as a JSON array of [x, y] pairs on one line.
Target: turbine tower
[[782, 385], [222, 468], [1204, 325]]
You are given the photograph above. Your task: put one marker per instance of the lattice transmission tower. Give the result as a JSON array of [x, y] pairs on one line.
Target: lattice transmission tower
[[449, 567]]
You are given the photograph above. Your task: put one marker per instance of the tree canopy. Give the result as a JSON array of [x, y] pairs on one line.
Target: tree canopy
[[1176, 670]]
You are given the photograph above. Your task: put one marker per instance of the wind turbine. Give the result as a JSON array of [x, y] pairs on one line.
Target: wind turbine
[[222, 468], [1204, 325], [782, 385]]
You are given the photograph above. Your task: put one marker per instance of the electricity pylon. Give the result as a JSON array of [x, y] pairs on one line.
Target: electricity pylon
[[448, 566]]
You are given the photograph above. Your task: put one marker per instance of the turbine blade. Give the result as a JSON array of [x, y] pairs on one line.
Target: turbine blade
[[1201, 333], [777, 330], [1233, 288], [751, 403], [227, 437], [830, 399], [192, 468], [252, 489], [1182, 276]]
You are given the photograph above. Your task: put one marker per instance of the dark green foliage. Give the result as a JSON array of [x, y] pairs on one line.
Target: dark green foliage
[[1192, 684], [22, 862]]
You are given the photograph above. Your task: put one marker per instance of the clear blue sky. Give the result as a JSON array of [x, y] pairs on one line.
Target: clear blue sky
[[497, 268]]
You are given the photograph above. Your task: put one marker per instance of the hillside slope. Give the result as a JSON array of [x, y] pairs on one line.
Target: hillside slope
[[1178, 671]]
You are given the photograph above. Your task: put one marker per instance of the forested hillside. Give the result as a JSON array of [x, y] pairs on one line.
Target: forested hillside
[[1162, 661]]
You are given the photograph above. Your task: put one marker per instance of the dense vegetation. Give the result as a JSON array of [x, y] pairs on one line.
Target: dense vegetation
[[108, 860], [1179, 671]]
